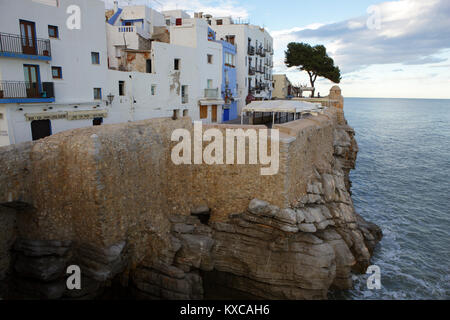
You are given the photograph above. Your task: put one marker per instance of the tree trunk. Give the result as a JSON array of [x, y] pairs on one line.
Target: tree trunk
[[312, 80]]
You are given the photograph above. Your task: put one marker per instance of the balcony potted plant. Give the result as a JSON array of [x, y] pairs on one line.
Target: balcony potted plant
[[46, 53]]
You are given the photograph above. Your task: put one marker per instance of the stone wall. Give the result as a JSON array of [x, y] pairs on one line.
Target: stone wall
[[110, 200]]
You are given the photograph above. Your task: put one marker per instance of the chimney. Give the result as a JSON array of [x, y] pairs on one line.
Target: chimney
[[116, 6]]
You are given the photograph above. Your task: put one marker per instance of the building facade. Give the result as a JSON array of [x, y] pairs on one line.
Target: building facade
[[254, 57], [282, 87], [229, 82], [164, 64], [52, 78], [62, 66]]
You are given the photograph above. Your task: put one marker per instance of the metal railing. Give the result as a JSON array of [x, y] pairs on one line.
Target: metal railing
[[134, 29], [212, 93], [25, 89], [260, 51], [251, 50], [13, 43]]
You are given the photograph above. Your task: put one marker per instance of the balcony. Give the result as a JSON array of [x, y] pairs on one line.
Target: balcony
[[26, 92], [260, 51], [16, 46], [212, 93], [134, 29], [251, 50]]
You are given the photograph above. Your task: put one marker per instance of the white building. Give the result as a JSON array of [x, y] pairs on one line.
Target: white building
[[164, 64], [254, 59], [52, 78], [282, 87]]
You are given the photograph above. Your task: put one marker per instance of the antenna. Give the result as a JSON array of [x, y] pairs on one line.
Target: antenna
[[157, 3]]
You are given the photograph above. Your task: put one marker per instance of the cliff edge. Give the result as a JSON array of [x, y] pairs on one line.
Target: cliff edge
[[109, 200]]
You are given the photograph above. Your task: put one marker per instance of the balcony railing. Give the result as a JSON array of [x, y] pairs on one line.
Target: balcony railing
[[134, 29], [25, 90], [212, 93], [260, 51], [251, 50], [11, 43]]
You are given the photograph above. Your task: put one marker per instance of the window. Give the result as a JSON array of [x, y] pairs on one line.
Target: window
[[167, 22], [209, 83], [57, 72], [97, 93], [184, 94], [219, 22], [210, 58], [1, 116], [179, 21], [53, 32], [176, 114], [97, 121], [176, 64], [229, 59], [185, 112], [153, 89], [95, 57], [230, 39], [203, 112], [121, 88], [149, 66]]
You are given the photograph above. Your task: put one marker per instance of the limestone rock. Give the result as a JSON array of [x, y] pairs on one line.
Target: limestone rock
[[307, 227]]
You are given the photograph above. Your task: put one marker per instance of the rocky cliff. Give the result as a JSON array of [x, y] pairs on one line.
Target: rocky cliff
[[109, 200]]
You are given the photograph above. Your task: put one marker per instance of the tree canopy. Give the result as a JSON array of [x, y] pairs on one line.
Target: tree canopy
[[314, 60]]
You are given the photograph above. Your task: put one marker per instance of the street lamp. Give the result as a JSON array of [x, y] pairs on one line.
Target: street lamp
[[110, 98]]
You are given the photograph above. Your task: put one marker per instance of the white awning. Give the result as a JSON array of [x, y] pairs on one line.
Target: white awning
[[289, 106], [210, 102]]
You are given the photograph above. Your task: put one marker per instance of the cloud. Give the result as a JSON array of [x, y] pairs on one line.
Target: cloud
[[411, 32], [217, 8]]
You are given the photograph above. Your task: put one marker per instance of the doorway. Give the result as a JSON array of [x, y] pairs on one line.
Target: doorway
[[41, 129], [214, 113], [28, 36], [31, 75], [226, 115]]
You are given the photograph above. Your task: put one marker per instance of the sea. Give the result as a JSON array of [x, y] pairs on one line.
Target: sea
[[402, 183]]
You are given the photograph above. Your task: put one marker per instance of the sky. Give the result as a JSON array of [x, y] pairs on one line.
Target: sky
[[390, 49]]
